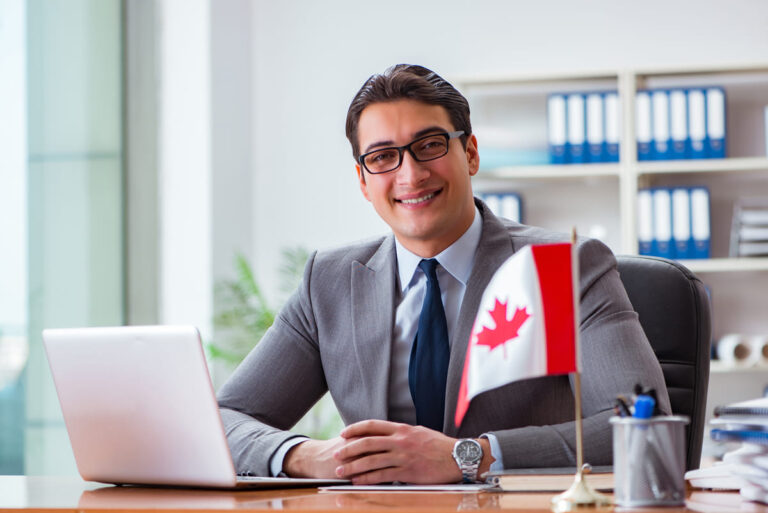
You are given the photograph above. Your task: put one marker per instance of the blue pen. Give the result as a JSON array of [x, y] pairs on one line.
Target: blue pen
[[644, 406]]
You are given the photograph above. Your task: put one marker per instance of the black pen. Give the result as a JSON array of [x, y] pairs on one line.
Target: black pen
[[621, 407]]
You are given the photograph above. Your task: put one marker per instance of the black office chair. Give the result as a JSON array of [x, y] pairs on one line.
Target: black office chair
[[674, 311]]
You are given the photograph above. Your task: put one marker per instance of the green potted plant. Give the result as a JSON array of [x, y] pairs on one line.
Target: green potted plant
[[242, 316]]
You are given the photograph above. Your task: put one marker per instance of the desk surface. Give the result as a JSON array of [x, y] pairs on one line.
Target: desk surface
[[72, 494]]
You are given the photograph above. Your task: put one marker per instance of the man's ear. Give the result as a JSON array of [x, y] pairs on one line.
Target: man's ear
[[473, 157], [361, 179]]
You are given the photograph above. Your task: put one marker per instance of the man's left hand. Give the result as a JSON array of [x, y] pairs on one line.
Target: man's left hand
[[387, 451]]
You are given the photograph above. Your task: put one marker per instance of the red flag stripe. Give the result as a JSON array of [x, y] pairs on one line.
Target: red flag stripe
[[462, 404], [553, 266]]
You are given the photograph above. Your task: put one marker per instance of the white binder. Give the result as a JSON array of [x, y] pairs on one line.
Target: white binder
[[644, 222], [557, 129], [697, 124], [643, 125], [595, 128], [681, 223], [576, 128], [716, 122], [612, 127], [494, 203], [662, 223], [661, 142], [510, 207], [700, 222], [678, 124]]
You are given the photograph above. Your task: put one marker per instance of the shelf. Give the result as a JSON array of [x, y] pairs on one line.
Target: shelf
[[515, 79], [724, 265], [703, 165], [724, 69], [551, 171], [718, 367]]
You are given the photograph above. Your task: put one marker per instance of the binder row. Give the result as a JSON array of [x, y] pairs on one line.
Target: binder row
[[505, 204], [679, 123], [583, 127], [674, 222]]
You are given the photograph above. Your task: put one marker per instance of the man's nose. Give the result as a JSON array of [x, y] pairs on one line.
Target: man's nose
[[411, 171]]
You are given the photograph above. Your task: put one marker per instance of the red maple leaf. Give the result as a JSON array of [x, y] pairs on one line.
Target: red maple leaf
[[505, 330]]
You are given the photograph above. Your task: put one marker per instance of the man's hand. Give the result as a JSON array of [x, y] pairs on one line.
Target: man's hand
[[313, 458], [379, 451]]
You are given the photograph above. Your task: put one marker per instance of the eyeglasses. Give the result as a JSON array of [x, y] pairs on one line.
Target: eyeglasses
[[423, 149]]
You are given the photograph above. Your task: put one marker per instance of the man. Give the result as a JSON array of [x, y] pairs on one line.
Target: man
[[384, 324]]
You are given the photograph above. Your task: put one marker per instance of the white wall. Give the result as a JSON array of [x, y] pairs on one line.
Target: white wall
[[231, 166], [13, 171], [185, 164], [309, 58]]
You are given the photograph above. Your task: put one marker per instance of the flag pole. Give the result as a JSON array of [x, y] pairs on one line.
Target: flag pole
[[580, 494]]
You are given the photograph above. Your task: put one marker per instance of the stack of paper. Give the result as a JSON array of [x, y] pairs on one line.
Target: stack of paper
[[749, 232], [746, 423]]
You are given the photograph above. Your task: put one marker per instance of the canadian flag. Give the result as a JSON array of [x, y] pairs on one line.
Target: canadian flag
[[526, 324]]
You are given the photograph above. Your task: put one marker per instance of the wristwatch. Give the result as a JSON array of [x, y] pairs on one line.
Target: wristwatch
[[468, 454]]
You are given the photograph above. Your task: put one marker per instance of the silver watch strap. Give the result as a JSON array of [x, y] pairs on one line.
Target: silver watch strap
[[469, 472]]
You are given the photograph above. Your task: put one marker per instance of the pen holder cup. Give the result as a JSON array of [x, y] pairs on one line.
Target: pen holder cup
[[649, 461]]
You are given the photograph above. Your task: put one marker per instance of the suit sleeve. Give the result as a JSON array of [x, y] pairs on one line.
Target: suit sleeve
[[274, 386], [615, 355]]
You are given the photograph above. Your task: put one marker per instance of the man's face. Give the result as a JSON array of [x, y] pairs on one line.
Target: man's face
[[428, 205]]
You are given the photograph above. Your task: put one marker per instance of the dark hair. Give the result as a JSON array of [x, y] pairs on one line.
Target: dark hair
[[408, 81]]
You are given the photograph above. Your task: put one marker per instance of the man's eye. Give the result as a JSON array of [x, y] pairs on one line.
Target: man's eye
[[382, 158], [385, 156], [432, 145]]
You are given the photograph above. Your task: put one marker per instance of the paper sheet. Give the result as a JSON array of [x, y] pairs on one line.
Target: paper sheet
[[464, 488]]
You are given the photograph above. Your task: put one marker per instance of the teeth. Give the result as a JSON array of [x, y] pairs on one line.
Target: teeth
[[419, 200]]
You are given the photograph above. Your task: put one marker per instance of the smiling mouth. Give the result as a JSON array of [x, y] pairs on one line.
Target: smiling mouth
[[421, 199]]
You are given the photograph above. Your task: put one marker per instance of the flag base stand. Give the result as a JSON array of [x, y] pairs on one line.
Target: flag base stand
[[579, 495]]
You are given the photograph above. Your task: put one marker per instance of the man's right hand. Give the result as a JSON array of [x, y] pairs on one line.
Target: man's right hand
[[314, 458]]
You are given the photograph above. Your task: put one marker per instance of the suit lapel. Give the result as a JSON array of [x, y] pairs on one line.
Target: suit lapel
[[373, 308], [494, 248]]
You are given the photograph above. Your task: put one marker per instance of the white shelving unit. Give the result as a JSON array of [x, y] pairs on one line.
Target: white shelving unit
[[601, 199]]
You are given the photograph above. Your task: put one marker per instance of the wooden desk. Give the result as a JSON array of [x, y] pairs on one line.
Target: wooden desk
[[56, 494]]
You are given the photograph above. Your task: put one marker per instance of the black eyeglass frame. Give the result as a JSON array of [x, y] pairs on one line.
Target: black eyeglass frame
[[400, 149]]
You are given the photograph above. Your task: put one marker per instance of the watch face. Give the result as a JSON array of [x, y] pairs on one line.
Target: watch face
[[469, 450]]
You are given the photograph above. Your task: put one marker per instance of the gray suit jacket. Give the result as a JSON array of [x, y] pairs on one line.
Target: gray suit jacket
[[335, 333]]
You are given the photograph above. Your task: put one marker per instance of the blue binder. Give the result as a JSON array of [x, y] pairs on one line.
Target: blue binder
[[595, 128], [660, 134], [716, 122], [557, 128], [662, 223], [678, 124], [697, 124], [612, 112], [576, 114], [643, 125], [700, 227], [681, 223]]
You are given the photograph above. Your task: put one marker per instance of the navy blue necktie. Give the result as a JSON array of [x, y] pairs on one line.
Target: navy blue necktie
[[428, 369]]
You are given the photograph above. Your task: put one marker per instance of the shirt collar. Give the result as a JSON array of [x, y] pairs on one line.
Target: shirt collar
[[457, 258]]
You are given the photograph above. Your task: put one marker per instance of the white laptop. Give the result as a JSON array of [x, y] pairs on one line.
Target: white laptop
[[140, 408]]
